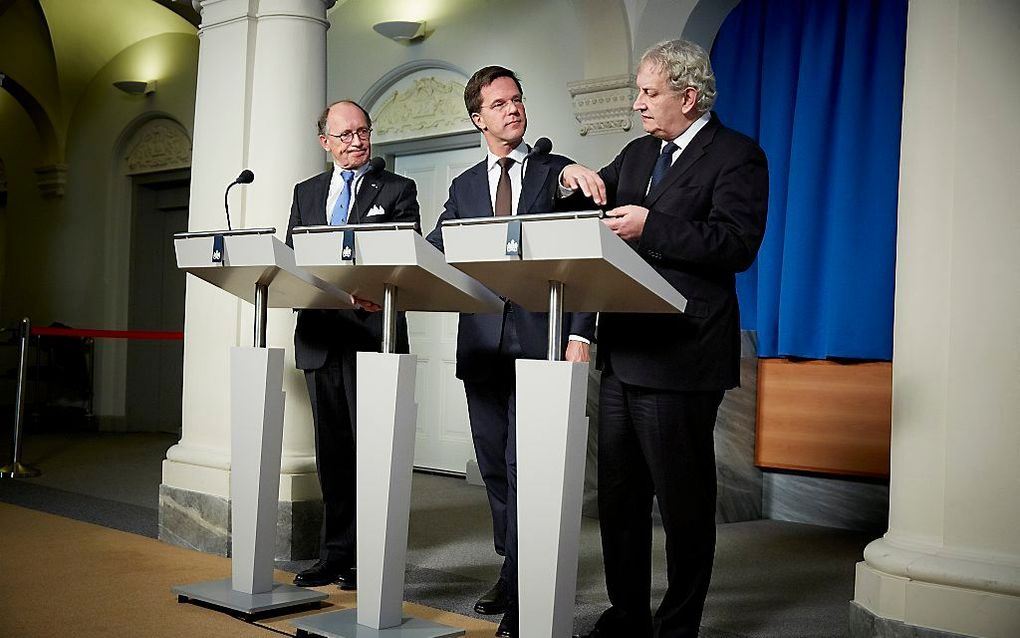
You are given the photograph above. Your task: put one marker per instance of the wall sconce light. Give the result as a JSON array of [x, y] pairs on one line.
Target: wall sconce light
[[402, 30], [136, 87]]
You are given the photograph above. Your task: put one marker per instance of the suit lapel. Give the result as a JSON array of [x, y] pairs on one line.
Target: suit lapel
[[533, 181], [315, 213], [687, 159], [369, 189], [480, 203]]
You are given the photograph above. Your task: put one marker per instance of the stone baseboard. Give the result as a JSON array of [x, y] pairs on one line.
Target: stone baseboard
[[202, 522], [864, 624]]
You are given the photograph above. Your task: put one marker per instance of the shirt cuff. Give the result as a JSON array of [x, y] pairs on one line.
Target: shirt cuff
[[563, 192], [578, 338]]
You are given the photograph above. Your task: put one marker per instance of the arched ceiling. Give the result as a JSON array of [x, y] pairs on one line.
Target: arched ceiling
[[87, 35], [52, 49]]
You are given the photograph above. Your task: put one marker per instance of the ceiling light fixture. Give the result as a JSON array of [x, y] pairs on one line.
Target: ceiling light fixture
[[402, 30], [136, 87]]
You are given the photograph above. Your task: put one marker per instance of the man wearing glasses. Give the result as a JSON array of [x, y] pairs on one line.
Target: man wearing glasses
[[326, 342], [511, 180]]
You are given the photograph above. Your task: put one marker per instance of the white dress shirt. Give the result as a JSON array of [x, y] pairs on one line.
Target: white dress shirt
[[684, 139], [336, 184], [515, 171]]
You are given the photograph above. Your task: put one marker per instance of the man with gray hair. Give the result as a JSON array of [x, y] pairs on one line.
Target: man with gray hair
[[691, 198]]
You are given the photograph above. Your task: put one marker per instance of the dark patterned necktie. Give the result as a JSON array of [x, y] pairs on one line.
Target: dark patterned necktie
[[503, 196], [663, 163]]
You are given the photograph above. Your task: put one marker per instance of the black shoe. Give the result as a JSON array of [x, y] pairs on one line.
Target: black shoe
[[494, 601], [321, 573], [347, 579], [508, 626], [615, 624]]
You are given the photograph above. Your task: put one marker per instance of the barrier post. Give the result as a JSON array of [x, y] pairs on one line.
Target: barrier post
[[15, 469]]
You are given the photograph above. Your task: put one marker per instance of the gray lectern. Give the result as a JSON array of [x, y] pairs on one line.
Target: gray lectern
[[259, 268], [557, 262], [391, 265]]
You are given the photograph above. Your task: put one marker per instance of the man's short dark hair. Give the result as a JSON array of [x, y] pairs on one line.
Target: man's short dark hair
[[484, 77], [325, 114]]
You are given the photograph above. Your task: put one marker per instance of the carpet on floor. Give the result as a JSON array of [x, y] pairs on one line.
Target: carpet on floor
[[64, 577]]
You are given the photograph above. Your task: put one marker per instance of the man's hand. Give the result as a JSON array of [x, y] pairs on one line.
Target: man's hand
[[578, 352], [578, 176], [365, 304], [628, 222]]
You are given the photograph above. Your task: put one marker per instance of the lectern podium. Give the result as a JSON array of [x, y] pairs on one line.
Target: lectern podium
[[259, 268], [557, 262], [391, 265]]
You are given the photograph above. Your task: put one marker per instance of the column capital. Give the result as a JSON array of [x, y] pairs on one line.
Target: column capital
[[603, 105], [219, 11]]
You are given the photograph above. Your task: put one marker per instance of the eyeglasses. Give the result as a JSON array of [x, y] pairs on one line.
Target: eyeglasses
[[347, 136], [500, 105]]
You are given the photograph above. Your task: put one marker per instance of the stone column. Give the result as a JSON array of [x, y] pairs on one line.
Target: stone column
[[261, 86], [950, 562]]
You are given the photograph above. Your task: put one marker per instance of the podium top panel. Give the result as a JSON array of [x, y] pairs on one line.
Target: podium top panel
[[473, 221], [225, 232], [252, 256], [361, 228], [600, 272], [363, 261]]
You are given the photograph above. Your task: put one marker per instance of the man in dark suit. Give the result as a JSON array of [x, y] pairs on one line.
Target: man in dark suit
[[691, 198], [326, 342], [508, 182]]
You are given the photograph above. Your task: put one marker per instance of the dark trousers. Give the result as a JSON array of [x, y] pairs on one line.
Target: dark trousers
[[654, 443], [492, 410], [331, 390]]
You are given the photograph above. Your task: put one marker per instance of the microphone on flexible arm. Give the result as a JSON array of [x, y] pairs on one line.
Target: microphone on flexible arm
[[543, 146], [246, 177]]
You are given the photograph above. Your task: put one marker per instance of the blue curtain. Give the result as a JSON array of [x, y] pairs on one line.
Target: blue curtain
[[819, 84]]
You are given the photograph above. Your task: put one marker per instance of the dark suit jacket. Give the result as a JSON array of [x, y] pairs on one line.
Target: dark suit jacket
[[318, 330], [705, 223], [478, 335]]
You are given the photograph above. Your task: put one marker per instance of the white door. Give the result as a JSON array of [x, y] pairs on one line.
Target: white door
[[443, 437]]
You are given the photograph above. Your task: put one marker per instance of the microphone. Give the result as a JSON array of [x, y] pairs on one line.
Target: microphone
[[376, 165], [246, 177], [542, 147]]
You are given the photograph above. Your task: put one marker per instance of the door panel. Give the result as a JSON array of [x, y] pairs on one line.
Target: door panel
[[443, 433]]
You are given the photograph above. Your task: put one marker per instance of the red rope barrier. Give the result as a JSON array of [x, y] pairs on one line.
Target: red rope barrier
[[108, 334]]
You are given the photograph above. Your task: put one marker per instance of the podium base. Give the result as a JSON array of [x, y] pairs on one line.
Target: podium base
[[344, 624], [219, 593]]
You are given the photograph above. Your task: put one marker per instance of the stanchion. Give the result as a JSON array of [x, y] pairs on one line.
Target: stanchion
[[15, 469]]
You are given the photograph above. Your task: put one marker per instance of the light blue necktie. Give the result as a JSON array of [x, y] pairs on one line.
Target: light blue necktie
[[339, 215], [663, 163]]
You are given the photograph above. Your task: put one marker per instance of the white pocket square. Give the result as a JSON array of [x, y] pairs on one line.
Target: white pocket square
[[375, 210]]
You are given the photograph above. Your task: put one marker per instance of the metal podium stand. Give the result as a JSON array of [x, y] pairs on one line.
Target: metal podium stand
[[257, 267], [391, 265], [557, 262]]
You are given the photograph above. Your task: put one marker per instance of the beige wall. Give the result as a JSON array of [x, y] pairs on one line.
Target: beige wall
[[546, 43], [65, 259], [24, 258]]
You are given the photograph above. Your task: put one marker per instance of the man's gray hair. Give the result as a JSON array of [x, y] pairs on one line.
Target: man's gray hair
[[686, 65]]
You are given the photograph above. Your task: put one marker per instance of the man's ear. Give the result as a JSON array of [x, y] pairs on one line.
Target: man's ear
[[476, 118], [690, 100], [324, 142]]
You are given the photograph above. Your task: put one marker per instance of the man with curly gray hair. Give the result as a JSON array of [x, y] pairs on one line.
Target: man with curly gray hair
[[691, 198]]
